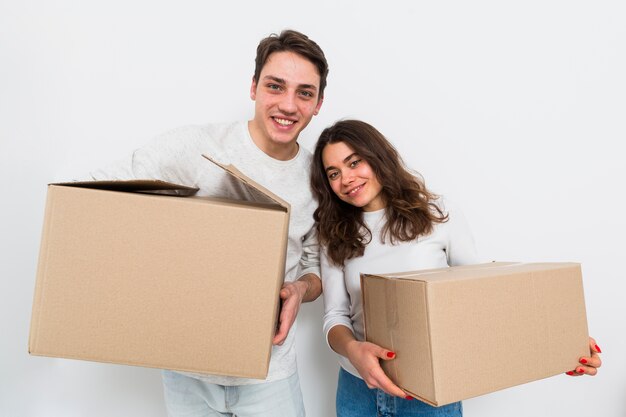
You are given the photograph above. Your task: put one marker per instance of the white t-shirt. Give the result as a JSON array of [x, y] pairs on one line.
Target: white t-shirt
[[449, 244], [177, 157]]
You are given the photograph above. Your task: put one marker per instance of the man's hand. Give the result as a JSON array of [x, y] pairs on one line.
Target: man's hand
[[305, 289]]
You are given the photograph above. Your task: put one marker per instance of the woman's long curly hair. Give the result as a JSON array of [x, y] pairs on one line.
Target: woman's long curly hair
[[411, 210]]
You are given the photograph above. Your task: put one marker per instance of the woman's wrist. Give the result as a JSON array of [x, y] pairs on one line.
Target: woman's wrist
[[351, 347]]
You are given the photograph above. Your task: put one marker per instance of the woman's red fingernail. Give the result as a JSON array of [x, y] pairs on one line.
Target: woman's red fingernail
[[408, 397], [598, 349], [390, 354], [583, 360], [570, 373], [580, 371]]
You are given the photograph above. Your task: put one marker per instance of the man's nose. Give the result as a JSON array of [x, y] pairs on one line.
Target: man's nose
[[287, 103]]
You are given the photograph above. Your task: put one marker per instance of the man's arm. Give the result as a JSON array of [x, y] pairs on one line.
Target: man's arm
[[305, 289], [311, 284], [165, 157]]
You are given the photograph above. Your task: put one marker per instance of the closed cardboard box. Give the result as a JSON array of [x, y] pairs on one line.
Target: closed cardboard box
[[465, 331], [133, 272]]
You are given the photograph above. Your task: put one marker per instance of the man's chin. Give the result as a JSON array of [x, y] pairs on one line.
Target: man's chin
[[285, 139]]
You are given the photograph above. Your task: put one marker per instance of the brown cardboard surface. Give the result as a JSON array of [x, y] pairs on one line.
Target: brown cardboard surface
[[183, 283], [443, 323]]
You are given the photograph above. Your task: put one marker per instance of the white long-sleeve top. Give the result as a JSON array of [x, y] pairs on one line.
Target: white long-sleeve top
[[449, 244], [177, 157]]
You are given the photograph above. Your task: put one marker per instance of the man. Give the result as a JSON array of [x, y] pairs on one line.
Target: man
[[287, 87]]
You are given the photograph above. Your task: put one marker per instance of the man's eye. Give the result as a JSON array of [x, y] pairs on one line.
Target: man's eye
[[307, 94], [273, 86]]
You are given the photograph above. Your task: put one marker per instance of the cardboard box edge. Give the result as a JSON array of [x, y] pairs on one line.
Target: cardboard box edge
[[38, 292]]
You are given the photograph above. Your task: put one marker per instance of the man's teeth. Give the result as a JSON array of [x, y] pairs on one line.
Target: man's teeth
[[284, 122]]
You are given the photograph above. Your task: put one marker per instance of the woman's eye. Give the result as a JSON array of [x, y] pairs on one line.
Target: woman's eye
[[332, 175], [354, 163]]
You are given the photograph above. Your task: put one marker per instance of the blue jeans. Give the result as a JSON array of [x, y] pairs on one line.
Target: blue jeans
[[355, 399], [186, 396]]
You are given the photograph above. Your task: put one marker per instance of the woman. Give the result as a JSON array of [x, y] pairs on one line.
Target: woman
[[375, 215]]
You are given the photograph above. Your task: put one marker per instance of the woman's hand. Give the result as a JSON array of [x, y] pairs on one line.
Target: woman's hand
[[588, 364], [365, 357]]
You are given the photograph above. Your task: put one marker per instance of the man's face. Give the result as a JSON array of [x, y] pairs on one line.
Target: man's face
[[286, 99]]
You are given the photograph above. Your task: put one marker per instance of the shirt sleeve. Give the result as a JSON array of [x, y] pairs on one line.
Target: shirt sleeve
[[310, 259], [163, 158], [461, 249], [336, 298]]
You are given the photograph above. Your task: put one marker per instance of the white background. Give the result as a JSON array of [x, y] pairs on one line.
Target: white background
[[516, 110]]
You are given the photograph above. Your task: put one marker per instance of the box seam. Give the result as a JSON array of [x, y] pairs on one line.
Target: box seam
[[430, 341]]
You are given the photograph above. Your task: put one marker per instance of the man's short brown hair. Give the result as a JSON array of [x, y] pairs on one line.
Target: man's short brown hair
[[292, 41]]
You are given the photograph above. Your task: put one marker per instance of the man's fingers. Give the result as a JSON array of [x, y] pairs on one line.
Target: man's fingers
[[279, 338], [281, 334], [287, 316], [286, 292]]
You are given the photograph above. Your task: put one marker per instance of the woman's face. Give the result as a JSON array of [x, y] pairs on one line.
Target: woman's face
[[351, 177]]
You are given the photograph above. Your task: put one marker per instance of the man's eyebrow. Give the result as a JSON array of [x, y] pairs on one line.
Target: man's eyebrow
[[283, 82], [275, 79], [346, 159], [308, 87]]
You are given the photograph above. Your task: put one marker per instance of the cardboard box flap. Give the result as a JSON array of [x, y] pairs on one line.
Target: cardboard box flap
[[232, 170], [473, 271], [139, 185], [423, 274]]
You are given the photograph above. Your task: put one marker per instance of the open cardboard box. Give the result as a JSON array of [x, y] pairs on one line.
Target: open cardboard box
[[465, 331], [140, 273]]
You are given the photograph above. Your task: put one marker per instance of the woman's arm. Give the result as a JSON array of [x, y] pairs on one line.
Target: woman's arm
[[339, 332], [365, 357], [460, 248]]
